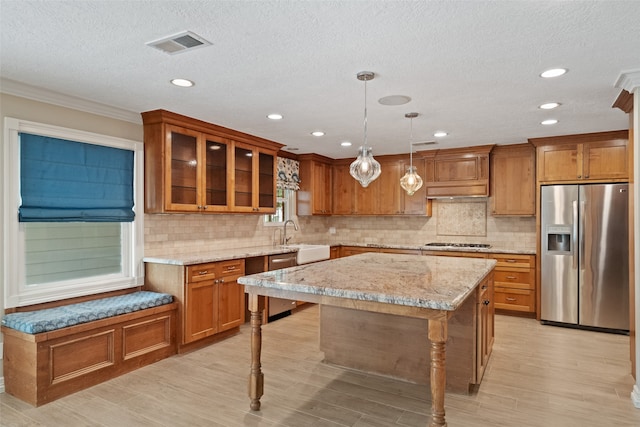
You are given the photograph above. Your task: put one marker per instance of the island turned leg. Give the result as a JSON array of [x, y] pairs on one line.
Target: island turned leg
[[256, 378], [438, 338]]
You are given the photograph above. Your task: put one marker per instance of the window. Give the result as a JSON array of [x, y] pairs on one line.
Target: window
[[46, 261], [285, 208]]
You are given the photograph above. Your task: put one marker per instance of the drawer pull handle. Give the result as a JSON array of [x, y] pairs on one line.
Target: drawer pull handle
[[510, 299], [511, 277], [510, 260], [203, 272]]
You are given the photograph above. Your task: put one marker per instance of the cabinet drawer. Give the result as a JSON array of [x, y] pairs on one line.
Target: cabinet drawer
[[513, 279], [233, 267], [514, 261], [514, 299], [200, 272]]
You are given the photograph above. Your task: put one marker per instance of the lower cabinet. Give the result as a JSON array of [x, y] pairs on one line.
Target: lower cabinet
[[211, 301], [398, 346], [485, 314], [515, 283]]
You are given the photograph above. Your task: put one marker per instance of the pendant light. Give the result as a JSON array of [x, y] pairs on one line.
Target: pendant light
[[365, 168], [411, 181]]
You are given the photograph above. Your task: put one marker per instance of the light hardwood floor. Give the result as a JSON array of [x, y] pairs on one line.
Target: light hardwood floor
[[537, 376]]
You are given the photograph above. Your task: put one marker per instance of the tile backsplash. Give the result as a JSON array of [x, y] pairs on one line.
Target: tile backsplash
[[457, 220]]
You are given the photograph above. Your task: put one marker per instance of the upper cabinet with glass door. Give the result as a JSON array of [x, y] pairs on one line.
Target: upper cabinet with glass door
[[254, 179], [194, 166]]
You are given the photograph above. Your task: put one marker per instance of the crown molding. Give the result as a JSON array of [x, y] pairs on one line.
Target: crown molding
[[629, 80], [12, 87]]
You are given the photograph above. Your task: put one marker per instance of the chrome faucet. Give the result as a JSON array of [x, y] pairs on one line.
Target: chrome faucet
[[284, 231]]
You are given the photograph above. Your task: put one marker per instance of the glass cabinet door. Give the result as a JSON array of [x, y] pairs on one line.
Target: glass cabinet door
[[216, 173], [243, 177], [184, 168], [266, 179]]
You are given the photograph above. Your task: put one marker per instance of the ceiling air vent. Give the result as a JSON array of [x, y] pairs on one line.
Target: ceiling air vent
[[420, 144], [179, 43]]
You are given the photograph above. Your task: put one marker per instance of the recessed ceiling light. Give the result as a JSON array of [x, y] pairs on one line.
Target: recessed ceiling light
[[394, 100], [275, 116], [549, 105], [440, 134], [554, 72], [345, 144], [549, 122], [182, 82], [317, 133]]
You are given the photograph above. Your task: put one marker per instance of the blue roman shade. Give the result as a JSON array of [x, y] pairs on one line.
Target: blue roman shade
[[69, 181]]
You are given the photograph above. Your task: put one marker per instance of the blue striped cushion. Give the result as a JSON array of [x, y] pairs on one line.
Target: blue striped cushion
[[50, 319]]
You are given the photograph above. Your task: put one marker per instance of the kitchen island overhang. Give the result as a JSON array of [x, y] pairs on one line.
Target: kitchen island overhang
[[424, 287]]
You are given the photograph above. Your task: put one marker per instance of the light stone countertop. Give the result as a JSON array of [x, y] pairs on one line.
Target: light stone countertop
[[440, 283], [491, 250], [199, 255]]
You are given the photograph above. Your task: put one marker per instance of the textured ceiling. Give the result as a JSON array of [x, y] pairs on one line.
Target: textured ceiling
[[470, 67]]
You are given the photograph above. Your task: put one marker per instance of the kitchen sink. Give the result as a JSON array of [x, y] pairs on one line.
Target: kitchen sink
[[310, 253]]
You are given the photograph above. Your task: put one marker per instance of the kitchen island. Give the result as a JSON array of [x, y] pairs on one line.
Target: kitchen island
[[422, 287]]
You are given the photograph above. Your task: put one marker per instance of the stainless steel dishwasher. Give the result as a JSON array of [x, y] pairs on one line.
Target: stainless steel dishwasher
[[279, 307]]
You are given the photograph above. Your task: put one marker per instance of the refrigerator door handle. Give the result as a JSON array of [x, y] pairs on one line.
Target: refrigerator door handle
[[581, 236], [574, 234]]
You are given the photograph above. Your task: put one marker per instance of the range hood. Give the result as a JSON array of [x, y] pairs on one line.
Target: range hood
[[457, 172]]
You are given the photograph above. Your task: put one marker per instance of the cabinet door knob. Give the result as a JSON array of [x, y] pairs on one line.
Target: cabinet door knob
[[486, 302], [221, 280]]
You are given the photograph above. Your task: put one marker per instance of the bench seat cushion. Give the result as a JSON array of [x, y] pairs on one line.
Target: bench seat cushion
[[50, 319]]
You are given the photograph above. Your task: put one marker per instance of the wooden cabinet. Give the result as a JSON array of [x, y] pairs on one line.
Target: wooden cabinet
[[200, 303], [393, 199], [230, 295], [515, 283], [254, 179], [457, 172], [214, 300], [314, 196], [513, 180], [194, 166], [334, 252], [601, 156], [343, 194], [384, 196], [211, 302], [485, 324]]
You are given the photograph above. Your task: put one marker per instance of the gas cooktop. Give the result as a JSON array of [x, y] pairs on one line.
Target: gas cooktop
[[460, 245]]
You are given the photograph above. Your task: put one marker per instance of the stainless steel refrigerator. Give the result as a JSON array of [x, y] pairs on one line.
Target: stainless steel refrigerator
[[584, 261]]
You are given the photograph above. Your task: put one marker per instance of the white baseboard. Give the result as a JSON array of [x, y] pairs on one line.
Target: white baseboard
[[635, 396]]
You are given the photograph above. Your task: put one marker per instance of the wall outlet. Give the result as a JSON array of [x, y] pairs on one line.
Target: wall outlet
[[332, 230]]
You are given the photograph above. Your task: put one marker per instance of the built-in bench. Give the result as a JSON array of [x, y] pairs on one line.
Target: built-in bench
[[55, 351]]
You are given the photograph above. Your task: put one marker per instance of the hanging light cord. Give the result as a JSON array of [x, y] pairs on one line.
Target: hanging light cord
[[411, 144], [365, 112]]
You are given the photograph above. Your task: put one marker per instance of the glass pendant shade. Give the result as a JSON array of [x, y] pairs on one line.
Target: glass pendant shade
[[365, 168], [411, 181]]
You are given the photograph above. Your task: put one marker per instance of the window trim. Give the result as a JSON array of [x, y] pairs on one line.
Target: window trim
[[16, 292], [289, 213]]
